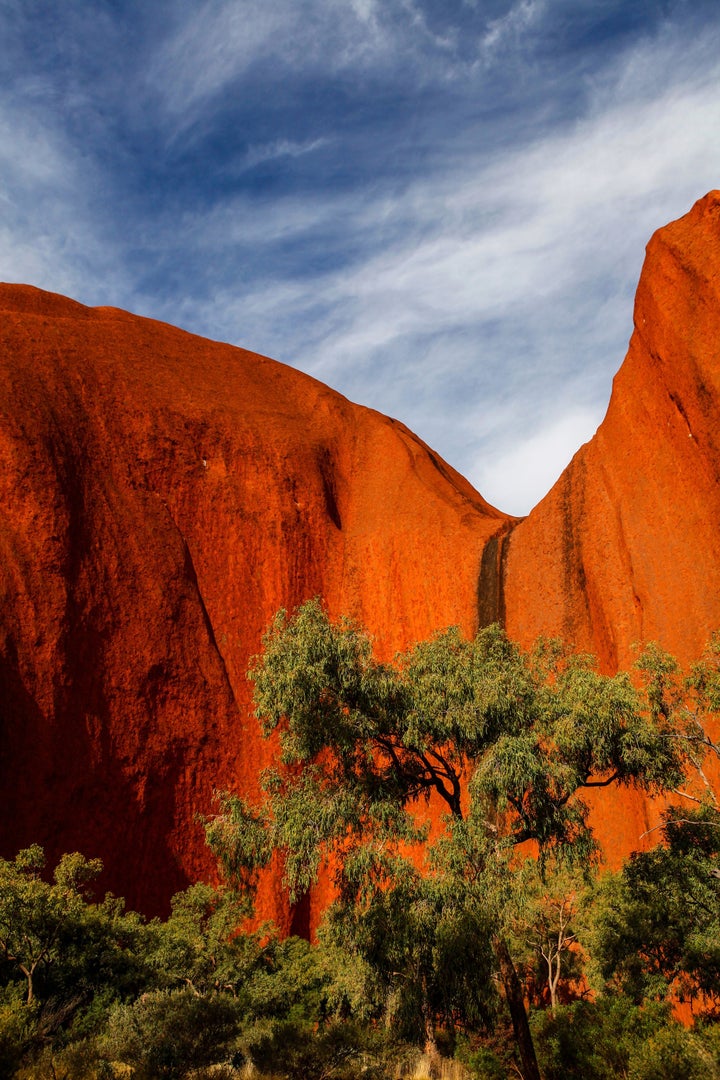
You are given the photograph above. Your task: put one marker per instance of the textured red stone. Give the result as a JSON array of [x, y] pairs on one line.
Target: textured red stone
[[163, 495], [626, 546]]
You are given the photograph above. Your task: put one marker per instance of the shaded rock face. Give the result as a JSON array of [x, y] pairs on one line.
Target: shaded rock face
[[161, 496]]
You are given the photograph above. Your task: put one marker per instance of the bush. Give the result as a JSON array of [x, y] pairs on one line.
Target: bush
[[17, 1028], [673, 1053], [80, 1060], [594, 1040], [167, 1034], [295, 1050]]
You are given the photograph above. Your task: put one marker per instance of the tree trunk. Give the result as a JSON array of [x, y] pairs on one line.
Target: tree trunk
[[431, 1047], [28, 972], [518, 1015], [553, 980]]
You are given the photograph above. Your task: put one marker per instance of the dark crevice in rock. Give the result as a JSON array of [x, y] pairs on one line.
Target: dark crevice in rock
[[491, 579]]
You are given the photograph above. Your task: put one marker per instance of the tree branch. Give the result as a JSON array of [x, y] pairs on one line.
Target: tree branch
[[601, 783], [681, 821]]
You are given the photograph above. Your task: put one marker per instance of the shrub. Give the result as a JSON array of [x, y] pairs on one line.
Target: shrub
[[295, 1050], [673, 1053], [166, 1034]]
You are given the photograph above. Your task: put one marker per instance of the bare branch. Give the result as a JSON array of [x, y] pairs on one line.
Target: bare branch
[[601, 783], [682, 821], [687, 795]]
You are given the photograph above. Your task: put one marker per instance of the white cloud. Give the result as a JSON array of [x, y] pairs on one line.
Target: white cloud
[[30, 153], [221, 40], [48, 235], [512, 25], [513, 478], [280, 148], [366, 10], [217, 42], [511, 237], [513, 274]]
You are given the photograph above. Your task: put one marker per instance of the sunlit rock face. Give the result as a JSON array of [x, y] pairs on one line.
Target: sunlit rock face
[[626, 546], [161, 496]]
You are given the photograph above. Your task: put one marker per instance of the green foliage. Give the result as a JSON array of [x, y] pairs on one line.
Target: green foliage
[[69, 963], [165, 999], [242, 837], [592, 1040], [672, 1053], [199, 945], [422, 948], [544, 932], [436, 935], [66, 959], [167, 1033], [18, 1023], [292, 984], [655, 928], [343, 1050], [611, 1037], [529, 732], [305, 1013], [41, 922], [507, 741], [79, 1060]]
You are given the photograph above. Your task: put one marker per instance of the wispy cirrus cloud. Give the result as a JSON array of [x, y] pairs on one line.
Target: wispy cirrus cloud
[[517, 21], [221, 41], [498, 299], [280, 148], [49, 234]]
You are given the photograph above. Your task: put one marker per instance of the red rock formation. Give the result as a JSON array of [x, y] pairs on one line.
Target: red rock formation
[[162, 496], [626, 546]]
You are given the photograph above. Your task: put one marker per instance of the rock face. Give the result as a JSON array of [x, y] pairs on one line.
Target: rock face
[[626, 546], [161, 496]]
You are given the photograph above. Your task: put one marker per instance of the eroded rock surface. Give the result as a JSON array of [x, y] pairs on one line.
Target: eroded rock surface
[[162, 496], [626, 546]]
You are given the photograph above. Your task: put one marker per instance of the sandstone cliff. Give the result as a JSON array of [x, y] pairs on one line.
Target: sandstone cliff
[[626, 546], [162, 495]]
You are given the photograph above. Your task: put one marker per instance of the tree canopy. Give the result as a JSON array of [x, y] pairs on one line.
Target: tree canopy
[[445, 793], [506, 743]]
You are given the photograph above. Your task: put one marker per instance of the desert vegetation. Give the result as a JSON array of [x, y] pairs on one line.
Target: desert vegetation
[[473, 921]]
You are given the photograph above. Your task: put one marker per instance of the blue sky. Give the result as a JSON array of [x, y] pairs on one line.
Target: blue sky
[[438, 207]]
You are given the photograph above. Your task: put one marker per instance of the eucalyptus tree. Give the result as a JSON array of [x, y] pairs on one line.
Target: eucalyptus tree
[[500, 742], [41, 922], [656, 924]]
